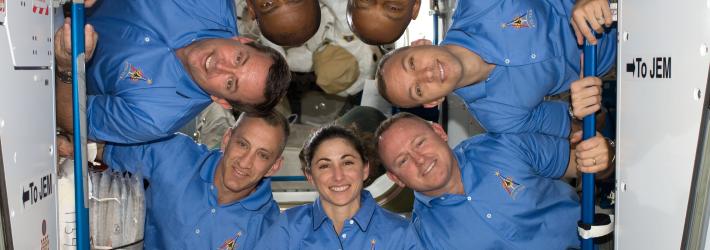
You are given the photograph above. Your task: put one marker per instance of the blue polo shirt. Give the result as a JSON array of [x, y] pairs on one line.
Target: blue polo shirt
[[182, 211], [372, 227], [138, 90], [535, 52], [513, 197]]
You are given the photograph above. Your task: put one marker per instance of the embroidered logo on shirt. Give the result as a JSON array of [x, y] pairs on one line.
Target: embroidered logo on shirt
[[511, 187], [524, 20], [134, 73], [231, 244]]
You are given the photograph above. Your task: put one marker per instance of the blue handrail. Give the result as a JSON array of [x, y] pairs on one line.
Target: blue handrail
[[79, 121], [590, 69]]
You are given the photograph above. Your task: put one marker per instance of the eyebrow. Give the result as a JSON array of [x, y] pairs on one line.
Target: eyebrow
[[246, 59], [346, 155], [264, 150], [241, 138], [398, 159], [270, 10], [359, 6], [393, 18], [323, 159]]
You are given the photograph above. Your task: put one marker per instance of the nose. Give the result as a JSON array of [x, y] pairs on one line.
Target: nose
[[246, 161], [225, 66], [338, 173], [418, 158], [425, 74]]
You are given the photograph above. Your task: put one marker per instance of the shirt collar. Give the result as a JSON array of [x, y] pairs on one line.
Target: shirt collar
[[466, 178], [471, 11], [254, 201], [261, 196], [362, 217]]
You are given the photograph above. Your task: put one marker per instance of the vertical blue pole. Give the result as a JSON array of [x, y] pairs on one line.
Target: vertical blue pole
[[79, 121], [436, 27], [590, 69]]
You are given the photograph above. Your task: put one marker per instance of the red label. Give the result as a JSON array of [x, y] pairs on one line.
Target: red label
[[40, 7]]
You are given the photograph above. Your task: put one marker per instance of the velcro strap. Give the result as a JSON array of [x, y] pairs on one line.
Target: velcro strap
[[603, 225]]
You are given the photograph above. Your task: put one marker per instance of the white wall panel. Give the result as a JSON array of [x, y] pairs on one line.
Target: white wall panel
[[658, 117]]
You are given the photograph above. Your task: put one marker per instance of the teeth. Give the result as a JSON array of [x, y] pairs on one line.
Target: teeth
[[239, 172], [339, 188], [431, 166], [207, 62]]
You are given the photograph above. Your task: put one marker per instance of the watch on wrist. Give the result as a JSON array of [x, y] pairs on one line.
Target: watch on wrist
[[571, 113], [64, 76]]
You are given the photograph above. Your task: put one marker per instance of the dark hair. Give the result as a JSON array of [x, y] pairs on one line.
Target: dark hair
[[277, 81], [274, 119], [295, 37], [381, 86], [387, 124], [329, 132]]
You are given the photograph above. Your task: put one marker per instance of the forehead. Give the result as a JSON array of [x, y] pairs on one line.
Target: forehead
[[335, 146], [398, 81], [255, 79], [401, 131], [258, 132]]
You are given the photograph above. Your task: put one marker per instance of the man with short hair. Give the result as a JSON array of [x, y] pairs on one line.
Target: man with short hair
[[286, 23], [159, 63], [492, 190], [208, 199], [503, 58]]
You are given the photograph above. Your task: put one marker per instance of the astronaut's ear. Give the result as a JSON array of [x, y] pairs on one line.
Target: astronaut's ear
[[415, 9], [222, 102]]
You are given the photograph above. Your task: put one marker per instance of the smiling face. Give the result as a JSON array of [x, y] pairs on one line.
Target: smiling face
[[337, 171], [417, 156], [286, 22], [380, 22], [420, 75], [227, 69], [252, 150]]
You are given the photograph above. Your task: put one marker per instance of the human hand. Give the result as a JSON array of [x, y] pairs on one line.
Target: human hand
[[592, 155], [575, 137], [586, 13], [64, 147], [586, 96], [62, 44], [422, 41]]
